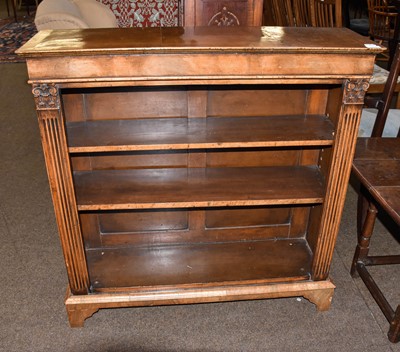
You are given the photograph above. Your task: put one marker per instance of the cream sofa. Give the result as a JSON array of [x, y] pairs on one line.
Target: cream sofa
[[69, 14]]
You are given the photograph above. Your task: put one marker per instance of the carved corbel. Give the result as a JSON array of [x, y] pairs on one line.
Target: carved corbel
[[354, 91], [46, 96]]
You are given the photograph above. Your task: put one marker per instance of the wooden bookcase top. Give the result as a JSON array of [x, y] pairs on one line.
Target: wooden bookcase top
[[200, 39], [198, 55]]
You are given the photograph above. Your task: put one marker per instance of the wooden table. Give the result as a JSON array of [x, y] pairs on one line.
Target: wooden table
[[199, 164], [377, 165]]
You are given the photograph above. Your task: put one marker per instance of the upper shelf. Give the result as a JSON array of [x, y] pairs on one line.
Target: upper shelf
[[198, 133]]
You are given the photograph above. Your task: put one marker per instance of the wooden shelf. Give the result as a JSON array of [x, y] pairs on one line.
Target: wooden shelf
[[197, 187], [208, 263], [196, 133]]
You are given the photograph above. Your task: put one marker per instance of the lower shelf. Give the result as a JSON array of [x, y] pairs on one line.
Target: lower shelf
[[280, 260]]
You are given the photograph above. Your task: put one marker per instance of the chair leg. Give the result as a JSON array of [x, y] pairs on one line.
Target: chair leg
[[394, 331], [8, 8], [14, 8], [364, 237]]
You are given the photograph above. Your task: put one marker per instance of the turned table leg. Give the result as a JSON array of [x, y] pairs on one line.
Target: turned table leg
[[364, 238]]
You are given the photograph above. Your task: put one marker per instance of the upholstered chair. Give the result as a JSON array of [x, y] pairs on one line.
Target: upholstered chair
[[69, 14]]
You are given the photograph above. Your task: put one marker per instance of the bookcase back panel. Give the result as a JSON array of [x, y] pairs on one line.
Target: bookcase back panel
[[264, 101], [142, 103], [225, 218], [166, 227], [142, 221], [261, 157], [207, 158], [130, 160], [158, 102]]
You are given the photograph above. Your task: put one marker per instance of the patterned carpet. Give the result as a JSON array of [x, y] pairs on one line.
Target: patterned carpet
[[13, 35]]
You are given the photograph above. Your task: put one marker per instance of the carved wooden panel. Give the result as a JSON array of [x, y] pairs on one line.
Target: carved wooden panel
[[223, 13]]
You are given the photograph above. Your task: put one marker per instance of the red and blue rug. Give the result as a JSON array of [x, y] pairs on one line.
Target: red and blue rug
[[13, 35]]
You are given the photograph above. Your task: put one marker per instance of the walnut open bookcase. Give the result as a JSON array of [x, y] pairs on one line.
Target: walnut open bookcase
[[204, 164]]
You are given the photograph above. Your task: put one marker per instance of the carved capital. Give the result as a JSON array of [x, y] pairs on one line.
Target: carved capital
[[354, 91], [46, 96], [224, 18]]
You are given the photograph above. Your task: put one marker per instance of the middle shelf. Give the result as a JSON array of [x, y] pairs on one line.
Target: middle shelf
[[198, 187]]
